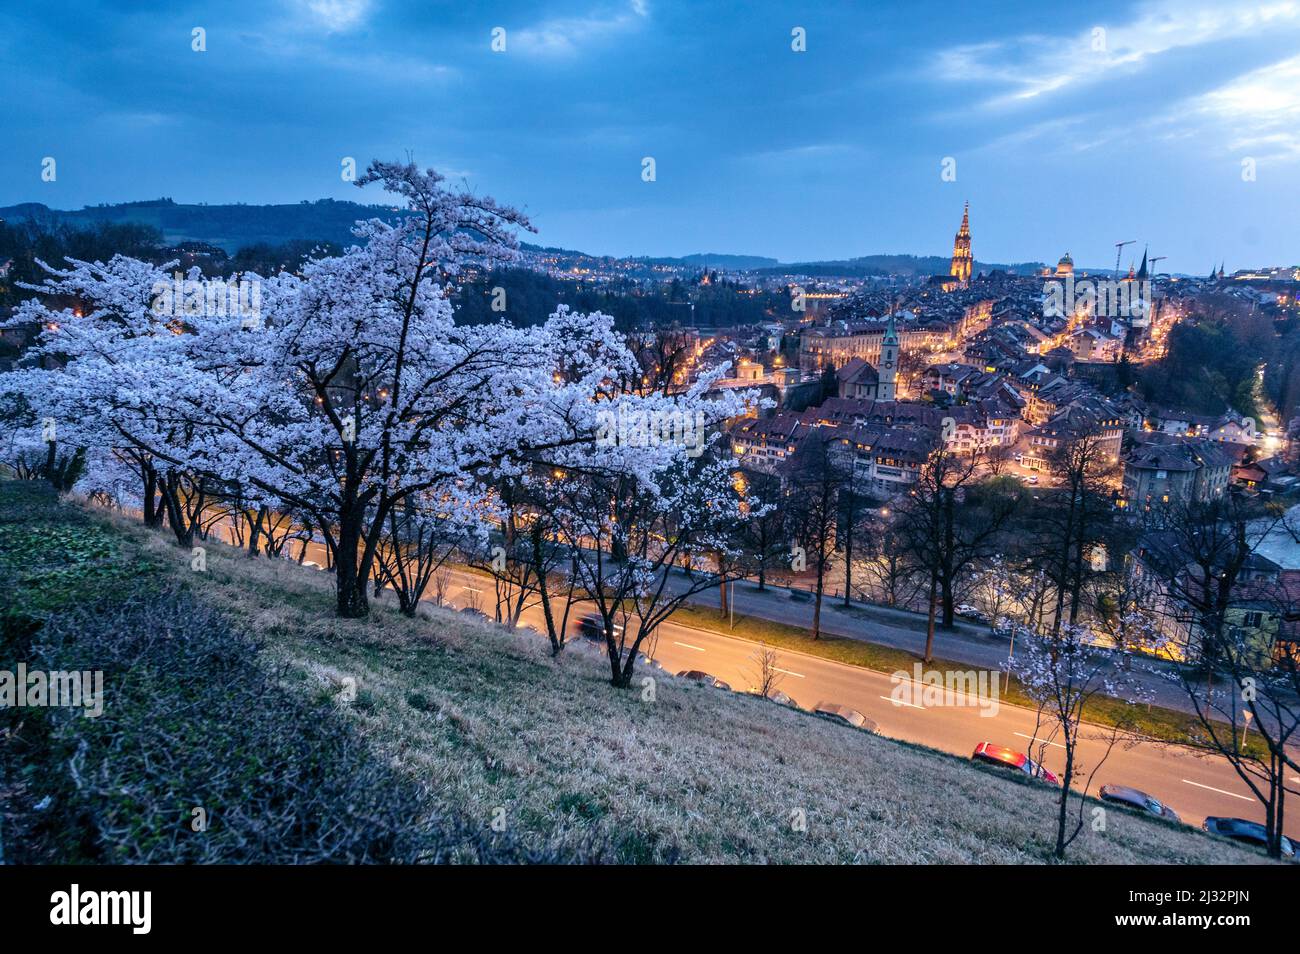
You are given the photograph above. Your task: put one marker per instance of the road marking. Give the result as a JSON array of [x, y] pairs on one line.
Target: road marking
[[900, 702], [1036, 739], [948, 693], [797, 675], [688, 646], [472, 589], [1219, 790]]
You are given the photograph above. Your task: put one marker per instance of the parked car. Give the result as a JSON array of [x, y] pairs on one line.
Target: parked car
[[1033, 478], [1003, 757], [698, 675], [1252, 833], [776, 695], [1133, 798], [838, 713], [800, 596], [970, 612]]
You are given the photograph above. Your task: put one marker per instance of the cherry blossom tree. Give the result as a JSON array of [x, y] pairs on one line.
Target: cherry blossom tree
[[1062, 671]]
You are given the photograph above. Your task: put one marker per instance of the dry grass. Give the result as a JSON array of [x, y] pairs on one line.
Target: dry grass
[[493, 724]]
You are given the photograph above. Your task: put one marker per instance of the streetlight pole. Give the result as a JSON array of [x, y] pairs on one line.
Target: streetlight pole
[[1010, 654]]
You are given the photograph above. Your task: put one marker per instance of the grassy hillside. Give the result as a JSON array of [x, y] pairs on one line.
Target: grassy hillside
[[470, 723]]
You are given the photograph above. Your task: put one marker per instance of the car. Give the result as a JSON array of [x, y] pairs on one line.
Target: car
[[1033, 478], [1133, 798], [1000, 756], [311, 564], [1252, 833], [699, 675], [800, 596], [970, 612], [592, 627], [777, 696], [838, 713]]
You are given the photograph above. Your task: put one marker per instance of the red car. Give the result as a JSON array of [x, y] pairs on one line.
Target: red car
[[1002, 757]]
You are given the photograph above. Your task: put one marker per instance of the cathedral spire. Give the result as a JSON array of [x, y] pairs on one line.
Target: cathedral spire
[[1142, 269], [962, 260]]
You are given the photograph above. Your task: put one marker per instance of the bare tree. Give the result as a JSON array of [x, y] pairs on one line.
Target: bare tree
[[816, 475], [854, 523], [950, 519], [891, 577], [1072, 519], [1240, 619], [767, 676], [762, 536]]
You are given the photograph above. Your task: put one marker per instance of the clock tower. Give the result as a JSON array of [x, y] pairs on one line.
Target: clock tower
[[885, 390], [962, 260]]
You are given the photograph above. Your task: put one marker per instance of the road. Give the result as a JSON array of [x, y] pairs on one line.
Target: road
[[1193, 784], [972, 644]]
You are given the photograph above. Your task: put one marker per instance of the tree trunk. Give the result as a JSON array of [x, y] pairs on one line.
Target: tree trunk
[[152, 511], [817, 599], [351, 585], [543, 591], [182, 528], [848, 564], [929, 623], [255, 530], [1063, 807]]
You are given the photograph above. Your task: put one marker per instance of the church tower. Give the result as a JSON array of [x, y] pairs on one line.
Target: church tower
[[962, 260], [888, 370]]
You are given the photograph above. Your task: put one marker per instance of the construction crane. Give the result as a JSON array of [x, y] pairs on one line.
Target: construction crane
[[1151, 263], [1119, 248]]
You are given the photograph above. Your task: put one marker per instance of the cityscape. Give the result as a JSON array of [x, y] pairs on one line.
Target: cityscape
[[440, 500]]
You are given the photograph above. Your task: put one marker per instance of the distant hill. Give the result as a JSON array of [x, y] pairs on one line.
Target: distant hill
[[869, 265], [237, 226], [229, 226], [715, 260]]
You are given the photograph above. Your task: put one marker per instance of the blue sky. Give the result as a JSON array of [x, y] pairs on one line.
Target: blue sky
[[1065, 138]]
